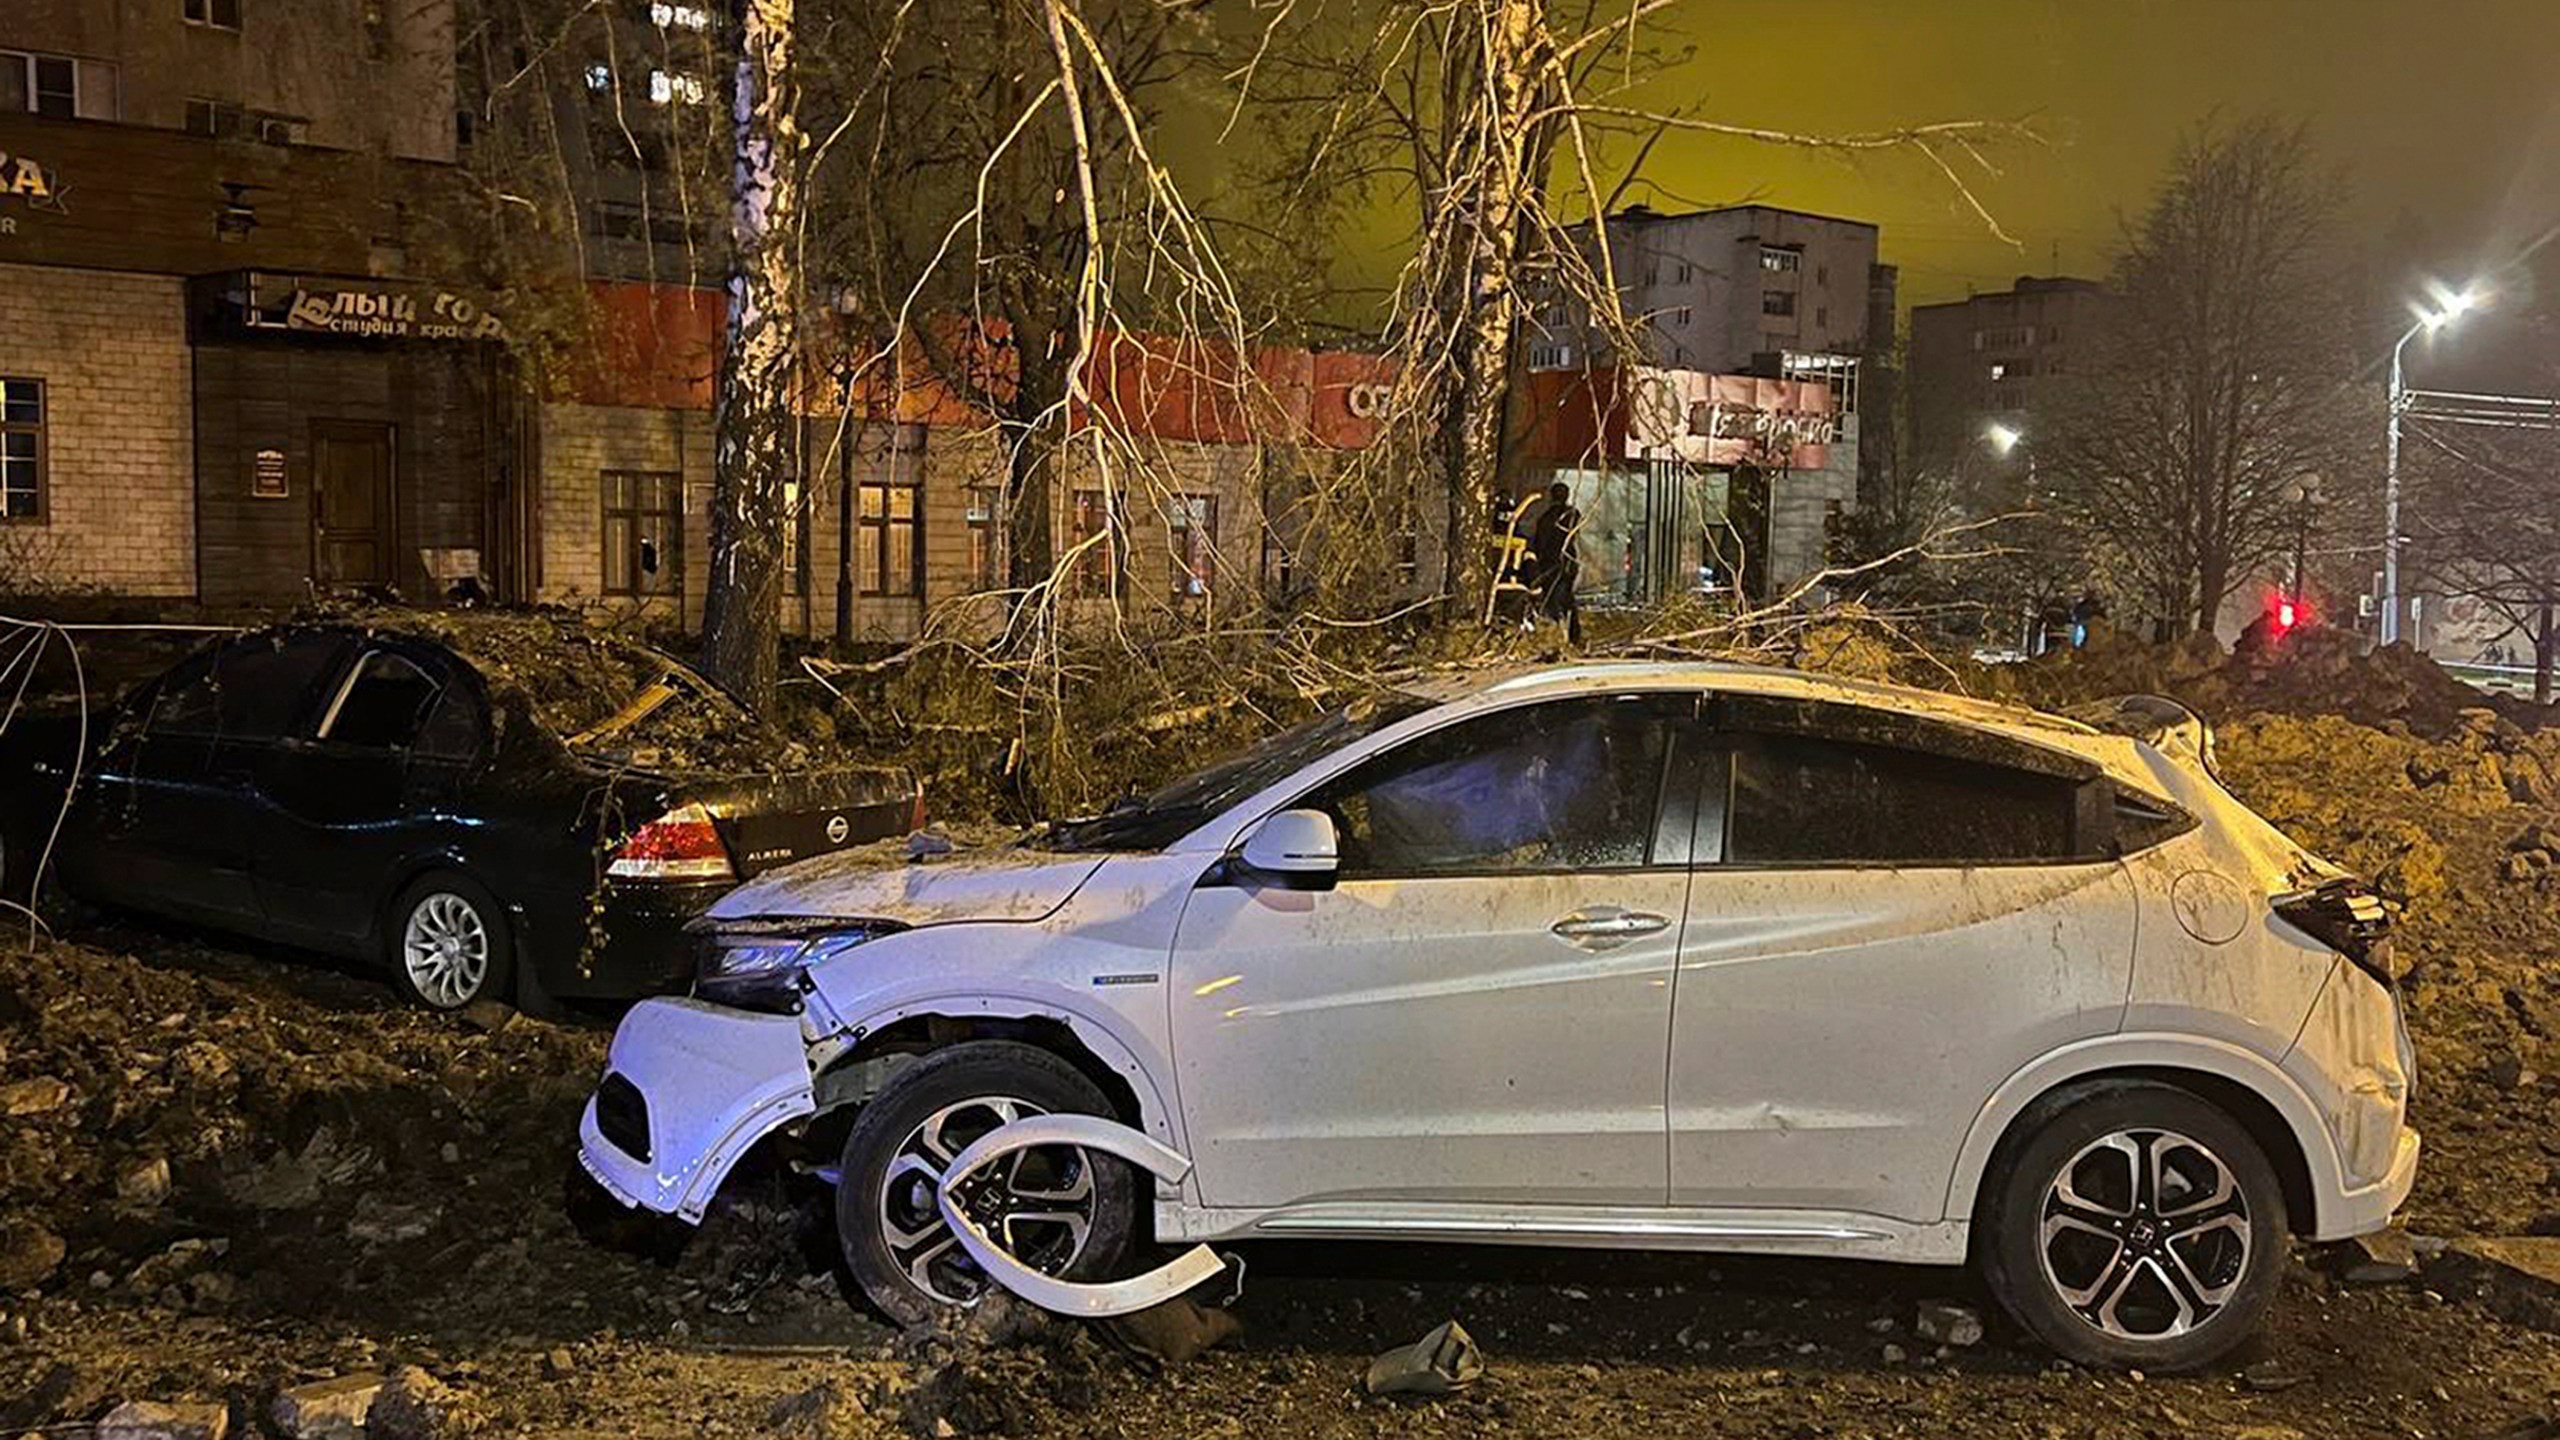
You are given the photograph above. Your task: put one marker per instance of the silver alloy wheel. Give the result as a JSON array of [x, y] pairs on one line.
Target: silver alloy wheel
[[2144, 1234], [445, 949], [1037, 1203]]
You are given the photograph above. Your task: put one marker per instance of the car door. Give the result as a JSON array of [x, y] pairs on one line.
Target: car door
[[366, 789], [1476, 1011], [1889, 917], [176, 805]]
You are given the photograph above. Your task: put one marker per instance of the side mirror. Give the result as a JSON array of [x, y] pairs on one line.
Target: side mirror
[[1295, 850]]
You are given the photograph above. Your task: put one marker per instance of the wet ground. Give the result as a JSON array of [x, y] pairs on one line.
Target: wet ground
[[355, 1186]]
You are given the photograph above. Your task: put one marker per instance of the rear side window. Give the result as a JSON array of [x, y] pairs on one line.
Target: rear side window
[[255, 689], [1570, 785], [383, 707], [1810, 800]]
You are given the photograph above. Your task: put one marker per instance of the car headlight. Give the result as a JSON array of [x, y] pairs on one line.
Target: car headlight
[[765, 968]]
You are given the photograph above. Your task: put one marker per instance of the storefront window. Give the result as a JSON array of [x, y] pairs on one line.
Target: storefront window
[[643, 532], [21, 449]]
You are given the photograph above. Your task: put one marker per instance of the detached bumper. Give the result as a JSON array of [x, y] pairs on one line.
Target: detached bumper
[[626, 942], [2369, 1208], [689, 1088]]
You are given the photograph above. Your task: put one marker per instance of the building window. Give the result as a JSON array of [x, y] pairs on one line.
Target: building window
[[643, 532], [599, 77], [1778, 260], [986, 543], [1999, 372], [1193, 523], [667, 88], [58, 87], [21, 449], [1102, 525], [1777, 302], [220, 14], [679, 17], [1550, 357], [216, 118], [1682, 315], [888, 535], [795, 535], [1682, 275]]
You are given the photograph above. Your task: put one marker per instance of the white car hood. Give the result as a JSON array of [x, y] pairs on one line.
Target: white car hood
[[991, 884]]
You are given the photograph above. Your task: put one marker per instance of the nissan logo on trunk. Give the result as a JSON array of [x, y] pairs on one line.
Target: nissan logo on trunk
[[837, 829]]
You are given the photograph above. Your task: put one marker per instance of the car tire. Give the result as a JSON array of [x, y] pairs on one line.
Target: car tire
[[2136, 1227], [895, 1245], [447, 943]]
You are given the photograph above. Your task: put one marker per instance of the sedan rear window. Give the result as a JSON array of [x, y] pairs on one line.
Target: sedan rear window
[[1806, 799]]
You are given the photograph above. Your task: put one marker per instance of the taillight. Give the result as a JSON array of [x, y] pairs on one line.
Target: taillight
[[2347, 916], [683, 844]]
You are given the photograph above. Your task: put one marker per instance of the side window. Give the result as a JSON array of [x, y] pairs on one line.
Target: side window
[[384, 705], [1571, 785], [1806, 799], [254, 689], [452, 728]]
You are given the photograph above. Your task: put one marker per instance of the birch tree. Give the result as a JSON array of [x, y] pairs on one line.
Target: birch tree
[[752, 411]]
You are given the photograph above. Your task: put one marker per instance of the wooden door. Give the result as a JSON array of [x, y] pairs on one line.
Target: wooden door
[[352, 529]]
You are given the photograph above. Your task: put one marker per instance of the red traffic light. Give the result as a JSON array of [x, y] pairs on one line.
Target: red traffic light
[[2284, 613]]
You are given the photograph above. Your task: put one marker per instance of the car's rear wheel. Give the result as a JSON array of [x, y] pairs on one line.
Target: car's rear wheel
[[2138, 1227], [1061, 1209], [448, 943]]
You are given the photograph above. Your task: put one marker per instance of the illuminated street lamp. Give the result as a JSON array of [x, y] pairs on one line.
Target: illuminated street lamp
[[2448, 308]]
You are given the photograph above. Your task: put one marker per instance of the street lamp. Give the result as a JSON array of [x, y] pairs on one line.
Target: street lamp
[[2301, 494], [2448, 307], [2006, 440]]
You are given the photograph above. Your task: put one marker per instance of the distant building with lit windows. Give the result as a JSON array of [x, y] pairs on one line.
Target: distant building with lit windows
[[1991, 357]]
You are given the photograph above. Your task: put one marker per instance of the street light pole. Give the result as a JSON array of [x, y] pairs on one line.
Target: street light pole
[[2429, 322]]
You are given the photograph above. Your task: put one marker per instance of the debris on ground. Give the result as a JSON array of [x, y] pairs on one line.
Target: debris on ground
[[1940, 1323], [334, 1409], [1442, 1362], [414, 1405], [165, 1420], [2516, 1276], [1176, 1332], [2385, 1257]]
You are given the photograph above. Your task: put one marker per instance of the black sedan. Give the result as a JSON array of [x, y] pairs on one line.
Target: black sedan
[[492, 806]]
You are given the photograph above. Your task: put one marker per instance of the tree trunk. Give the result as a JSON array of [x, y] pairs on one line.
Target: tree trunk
[[752, 409], [1480, 384], [2546, 649]]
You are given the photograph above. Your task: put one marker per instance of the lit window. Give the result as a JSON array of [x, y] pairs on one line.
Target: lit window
[[643, 532], [986, 548], [21, 449], [888, 520], [795, 527], [1999, 372], [666, 89], [679, 17], [1779, 261], [599, 76]]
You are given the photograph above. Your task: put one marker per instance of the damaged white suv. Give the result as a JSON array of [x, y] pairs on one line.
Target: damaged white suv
[[1648, 956]]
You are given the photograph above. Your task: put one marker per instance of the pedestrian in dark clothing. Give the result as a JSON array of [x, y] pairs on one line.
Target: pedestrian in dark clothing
[[1552, 542]]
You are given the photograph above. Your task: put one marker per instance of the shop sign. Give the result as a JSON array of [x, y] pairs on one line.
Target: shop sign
[[23, 177], [1726, 420], [383, 314]]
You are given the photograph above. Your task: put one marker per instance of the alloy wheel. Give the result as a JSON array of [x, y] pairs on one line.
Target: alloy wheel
[[1038, 1204], [2145, 1234], [445, 950]]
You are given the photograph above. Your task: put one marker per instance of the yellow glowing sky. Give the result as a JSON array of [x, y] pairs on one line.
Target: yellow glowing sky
[[2446, 109]]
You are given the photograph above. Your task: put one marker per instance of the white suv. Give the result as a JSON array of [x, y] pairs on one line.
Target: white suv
[[1651, 956]]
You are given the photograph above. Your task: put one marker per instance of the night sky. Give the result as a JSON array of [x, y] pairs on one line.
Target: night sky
[[2443, 114]]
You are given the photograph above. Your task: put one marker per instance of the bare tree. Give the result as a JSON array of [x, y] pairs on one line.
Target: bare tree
[[752, 409], [2486, 528], [2222, 381]]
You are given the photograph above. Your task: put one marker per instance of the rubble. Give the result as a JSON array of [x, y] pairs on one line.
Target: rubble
[[414, 1405], [327, 1409], [1944, 1324], [36, 1095], [164, 1420], [1440, 1363], [2385, 1257], [28, 1254], [825, 1411], [2516, 1276]]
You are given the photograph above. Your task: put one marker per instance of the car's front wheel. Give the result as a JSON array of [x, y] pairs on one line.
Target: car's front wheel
[[2137, 1227], [1063, 1210], [449, 943]]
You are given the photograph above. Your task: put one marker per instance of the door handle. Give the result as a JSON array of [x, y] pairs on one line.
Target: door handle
[[1606, 927]]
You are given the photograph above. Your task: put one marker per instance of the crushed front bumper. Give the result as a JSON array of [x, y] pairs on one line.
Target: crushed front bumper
[[2368, 1208], [709, 1082]]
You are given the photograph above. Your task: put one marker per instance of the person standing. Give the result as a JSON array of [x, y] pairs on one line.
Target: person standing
[[1555, 545]]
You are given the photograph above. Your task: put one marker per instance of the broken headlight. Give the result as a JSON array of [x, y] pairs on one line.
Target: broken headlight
[[2348, 917], [761, 967]]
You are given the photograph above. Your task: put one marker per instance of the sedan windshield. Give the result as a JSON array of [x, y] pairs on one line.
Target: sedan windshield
[[1151, 822]]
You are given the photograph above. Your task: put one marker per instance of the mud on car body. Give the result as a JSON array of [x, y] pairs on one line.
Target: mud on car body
[[1643, 956], [384, 789]]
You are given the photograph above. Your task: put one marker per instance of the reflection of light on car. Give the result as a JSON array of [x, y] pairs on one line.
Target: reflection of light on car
[[1212, 987]]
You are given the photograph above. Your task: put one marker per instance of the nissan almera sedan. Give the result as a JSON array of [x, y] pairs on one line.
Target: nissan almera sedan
[[1648, 956]]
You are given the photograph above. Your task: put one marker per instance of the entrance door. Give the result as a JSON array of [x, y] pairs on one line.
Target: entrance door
[[351, 523]]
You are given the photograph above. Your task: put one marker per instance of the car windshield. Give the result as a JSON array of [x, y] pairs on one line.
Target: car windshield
[[1151, 822]]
